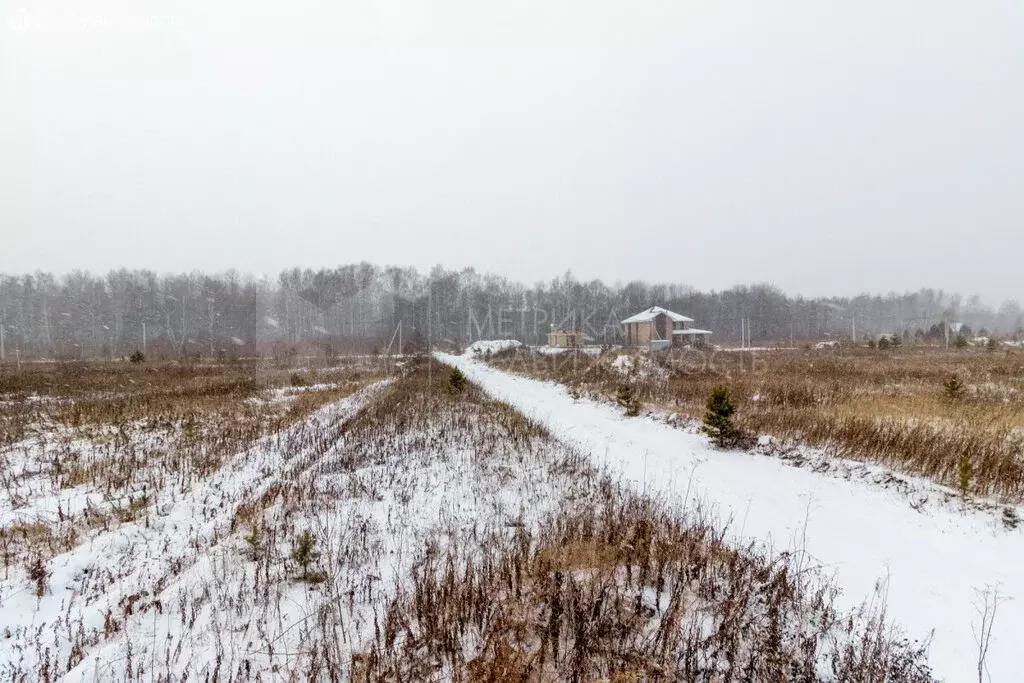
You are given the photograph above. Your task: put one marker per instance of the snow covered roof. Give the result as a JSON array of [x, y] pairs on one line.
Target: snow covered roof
[[692, 330], [652, 313]]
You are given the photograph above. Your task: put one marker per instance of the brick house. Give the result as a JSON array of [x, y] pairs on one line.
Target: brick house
[[659, 328]]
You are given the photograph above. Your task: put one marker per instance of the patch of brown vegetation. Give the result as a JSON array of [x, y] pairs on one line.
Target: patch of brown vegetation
[[887, 406], [129, 431], [622, 590]]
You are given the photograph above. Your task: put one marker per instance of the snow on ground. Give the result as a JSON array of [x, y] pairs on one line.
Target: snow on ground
[[37, 491], [175, 594], [559, 350], [89, 586], [485, 346], [638, 366], [933, 562], [285, 394]]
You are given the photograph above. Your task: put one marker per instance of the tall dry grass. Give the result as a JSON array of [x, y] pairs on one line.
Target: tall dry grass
[[885, 406], [125, 435], [616, 588], [567, 578], [607, 585]]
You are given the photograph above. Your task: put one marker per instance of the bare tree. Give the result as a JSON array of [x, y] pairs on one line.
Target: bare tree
[[986, 602]]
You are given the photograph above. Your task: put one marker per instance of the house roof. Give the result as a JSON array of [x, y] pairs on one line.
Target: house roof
[[692, 330], [652, 313]]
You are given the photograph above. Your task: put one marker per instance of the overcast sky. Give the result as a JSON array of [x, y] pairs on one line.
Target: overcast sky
[[826, 147]]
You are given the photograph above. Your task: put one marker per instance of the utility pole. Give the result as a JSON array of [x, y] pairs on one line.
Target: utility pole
[[46, 327], [209, 301]]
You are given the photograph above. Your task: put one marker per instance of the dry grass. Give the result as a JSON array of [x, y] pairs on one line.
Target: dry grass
[[552, 573], [886, 406], [608, 585], [35, 395], [124, 436], [616, 588]]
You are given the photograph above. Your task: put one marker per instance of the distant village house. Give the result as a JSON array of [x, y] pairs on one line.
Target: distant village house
[[660, 328], [566, 339]]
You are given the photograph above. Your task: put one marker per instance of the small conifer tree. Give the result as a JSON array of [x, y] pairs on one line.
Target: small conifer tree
[[718, 423], [628, 399], [253, 543], [961, 342], [305, 552], [38, 574], [991, 344], [137, 357], [954, 387], [457, 381]]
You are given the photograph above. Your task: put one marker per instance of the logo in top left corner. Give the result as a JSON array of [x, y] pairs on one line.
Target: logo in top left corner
[[21, 21]]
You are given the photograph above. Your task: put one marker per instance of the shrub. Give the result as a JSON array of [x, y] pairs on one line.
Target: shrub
[[38, 575], [954, 387], [457, 381], [305, 552], [297, 380], [871, 343], [884, 343], [961, 342], [896, 339], [718, 423], [991, 344], [137, 357], [966, 472], [254, 544], [627, 398]]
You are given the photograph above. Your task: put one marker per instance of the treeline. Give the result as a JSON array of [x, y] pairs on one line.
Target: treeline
[[366, 308]]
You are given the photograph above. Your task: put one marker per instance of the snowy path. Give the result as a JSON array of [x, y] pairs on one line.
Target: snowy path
[[935, 562]]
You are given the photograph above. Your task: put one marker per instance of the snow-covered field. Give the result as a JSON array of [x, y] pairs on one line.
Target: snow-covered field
[[191, 574], [202, 586], [936, 563], [141, 590]]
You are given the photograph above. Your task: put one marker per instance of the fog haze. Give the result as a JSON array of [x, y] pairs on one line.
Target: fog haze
[[827, 148]]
